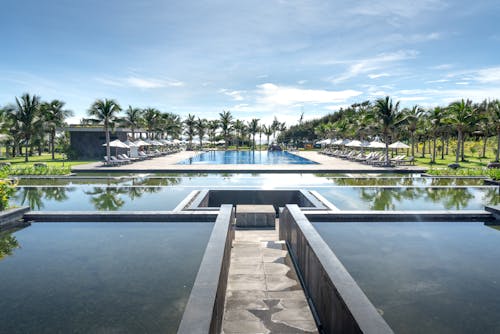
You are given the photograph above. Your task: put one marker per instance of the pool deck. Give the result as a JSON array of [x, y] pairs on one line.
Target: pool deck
[[263, 293], [168, 164]]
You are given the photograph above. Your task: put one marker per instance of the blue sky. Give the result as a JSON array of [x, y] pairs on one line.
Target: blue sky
[[256, 58]]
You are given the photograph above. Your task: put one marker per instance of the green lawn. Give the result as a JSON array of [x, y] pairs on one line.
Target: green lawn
[[59, 161]]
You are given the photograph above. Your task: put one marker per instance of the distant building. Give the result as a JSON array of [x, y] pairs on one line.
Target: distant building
[[87, 142]]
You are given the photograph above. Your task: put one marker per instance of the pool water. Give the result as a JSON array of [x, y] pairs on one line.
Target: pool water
[[411, 198], [424, 277], [246, 158], [99, 278], [148, 195]]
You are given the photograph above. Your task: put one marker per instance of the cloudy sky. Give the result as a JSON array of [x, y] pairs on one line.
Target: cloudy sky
[[255, 58]]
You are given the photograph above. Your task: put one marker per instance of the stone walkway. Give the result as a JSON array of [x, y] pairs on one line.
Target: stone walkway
[[263, 293]]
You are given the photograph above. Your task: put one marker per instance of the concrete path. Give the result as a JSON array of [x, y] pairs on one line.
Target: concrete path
[[263, 293]]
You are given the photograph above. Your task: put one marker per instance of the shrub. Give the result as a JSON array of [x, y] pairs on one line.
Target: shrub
[[7, 188]]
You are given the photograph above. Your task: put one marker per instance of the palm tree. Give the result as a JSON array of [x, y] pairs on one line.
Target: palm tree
[[201, 129], [268, 131], [105, 111], [412, 117], [253, 127], [172, 124], [459, 115], [54, 116], [435, 116], [27, 114], [226, 125], [239, 128], [190, 123], [133, 119], [152, 118], [495, 118], [389, 117], [212, 127], [275, 126]]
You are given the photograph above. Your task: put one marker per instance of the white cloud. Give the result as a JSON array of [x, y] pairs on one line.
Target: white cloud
[[437, 81], [235, 94], [379, 62], [139, 82], [378, 75], [281, 95], [401, 8], [488, 75], [301, 82]]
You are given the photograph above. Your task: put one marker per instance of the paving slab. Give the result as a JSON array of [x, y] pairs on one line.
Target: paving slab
[[263, 293]]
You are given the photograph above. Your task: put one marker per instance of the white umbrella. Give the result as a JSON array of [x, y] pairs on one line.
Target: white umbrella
[[130, 143], [376, 144], [324, 142], [117, 143], [176, 141], [141, 142], [398, 144], [354, 143], [220, 141]]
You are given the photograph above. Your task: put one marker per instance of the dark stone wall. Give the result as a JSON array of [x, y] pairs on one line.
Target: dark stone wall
[[340, 304], [205, 308], [88, 145]]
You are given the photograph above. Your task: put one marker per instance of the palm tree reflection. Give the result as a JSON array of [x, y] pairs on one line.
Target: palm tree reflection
[[8, 243]]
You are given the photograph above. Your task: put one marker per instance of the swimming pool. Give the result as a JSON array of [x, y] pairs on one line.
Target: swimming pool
[[425, 277], [247, 158], [99, 277]]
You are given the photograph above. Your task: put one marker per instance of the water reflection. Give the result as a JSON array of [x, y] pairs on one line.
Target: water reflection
[[8, 243], [414, 198]]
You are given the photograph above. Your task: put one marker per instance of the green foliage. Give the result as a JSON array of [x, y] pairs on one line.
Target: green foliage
[[493, 173], [7, 189], [35, 170]]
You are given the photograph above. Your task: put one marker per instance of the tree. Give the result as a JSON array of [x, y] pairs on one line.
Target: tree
[[389, 117], [54, 114], [105, 111], [190, 123], [226, 125], [268, 132], [133, 119], [253, 127], [239, 128], [459, 115], [412, 117], [275, 126], [152, 118], [495, 118], [201, 129], [27, 114], [436, 116], [172, 124], [212, 127]]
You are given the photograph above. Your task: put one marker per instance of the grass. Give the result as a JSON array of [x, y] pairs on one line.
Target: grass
[[46, 158], [58, 166]]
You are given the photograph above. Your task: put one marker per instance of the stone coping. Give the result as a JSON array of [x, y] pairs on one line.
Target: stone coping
[[121, 216], [12, 217], [331, 288], [200, 200], [400, 216], [205, 308]]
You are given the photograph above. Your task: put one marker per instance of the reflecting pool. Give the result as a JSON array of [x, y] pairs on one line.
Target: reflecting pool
[[99, 278], [414, 198], [424, 277]]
